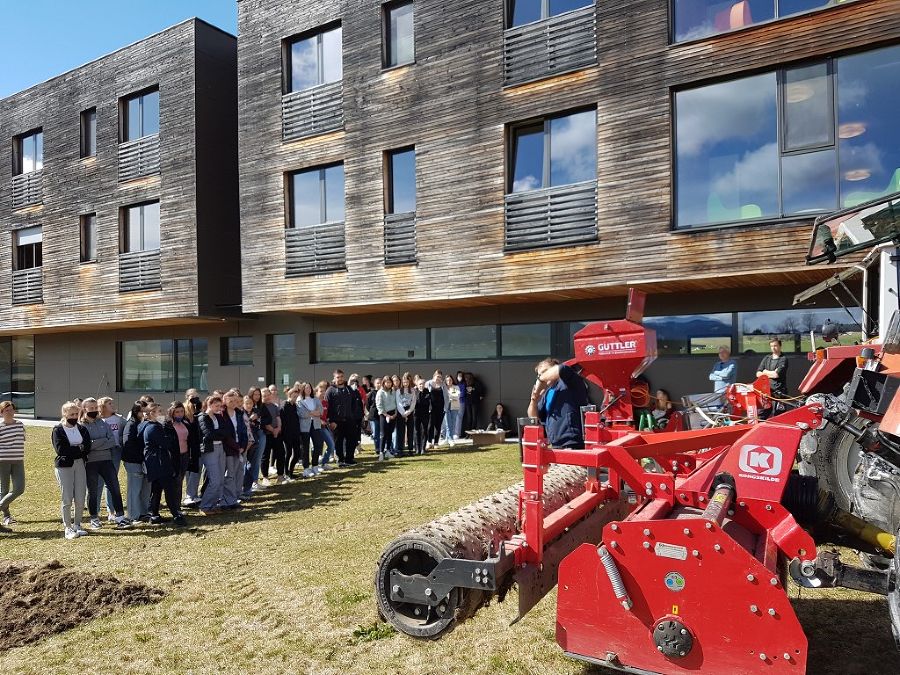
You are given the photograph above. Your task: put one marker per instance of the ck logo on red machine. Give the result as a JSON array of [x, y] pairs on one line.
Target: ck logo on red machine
[[760, 460]]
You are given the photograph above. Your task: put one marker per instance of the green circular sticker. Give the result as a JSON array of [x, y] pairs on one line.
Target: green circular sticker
[[674, 582]]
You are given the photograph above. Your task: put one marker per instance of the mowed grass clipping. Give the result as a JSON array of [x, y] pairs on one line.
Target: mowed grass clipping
[[286, 585]]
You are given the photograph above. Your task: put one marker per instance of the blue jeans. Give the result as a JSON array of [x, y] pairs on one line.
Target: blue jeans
[[451, 420], [117, 462], [255, 461], [138, 500], [214, 462], [328, 440], [375, 428], [192, 486]]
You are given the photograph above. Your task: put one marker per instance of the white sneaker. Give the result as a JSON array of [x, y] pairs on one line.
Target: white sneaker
[[96, 524], [450, 441], [326, 467], [380, 457], [273, 471], [307, 473], [264, 483], [111, 518], [256, 487], [79, 532], [316, 470]]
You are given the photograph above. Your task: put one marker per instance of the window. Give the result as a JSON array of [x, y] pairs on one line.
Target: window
[[89, 237], [464, 342], [372, 345], [556, 151], [237, 351], [696, 19], [162, 365], [526, 11], [141, 227], [17, 372], [399, 34], [401, 183], [89, 133], [140, 115], [532, 339], [28, 248], [281, 350], [793, 328], [691, 335], [314, 59], [317, 196], [28, 152], [796, 142]]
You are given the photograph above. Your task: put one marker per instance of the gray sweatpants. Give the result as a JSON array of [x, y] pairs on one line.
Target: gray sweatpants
[[73, 483], [11, 471], [234, 479]]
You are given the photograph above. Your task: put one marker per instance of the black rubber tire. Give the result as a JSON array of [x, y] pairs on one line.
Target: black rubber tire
[[834, 461]]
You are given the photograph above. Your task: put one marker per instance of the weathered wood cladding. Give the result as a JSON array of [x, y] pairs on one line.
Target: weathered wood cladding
[[27, 189], [77, 294], [559, 216], [317, 110], [27, 286], [453, 106]]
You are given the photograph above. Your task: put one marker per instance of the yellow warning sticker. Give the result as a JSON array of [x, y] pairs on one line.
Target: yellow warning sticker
[[675, 610], [719, 498]]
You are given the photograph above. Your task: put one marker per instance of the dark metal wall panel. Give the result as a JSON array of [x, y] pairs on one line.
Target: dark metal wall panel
[[314, 249], [454, 106], [400, 239], [312, 111], [74, 186], [560, 44]]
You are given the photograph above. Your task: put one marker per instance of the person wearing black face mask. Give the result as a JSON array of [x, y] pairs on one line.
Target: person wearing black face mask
[[100, 465], [72, 444]]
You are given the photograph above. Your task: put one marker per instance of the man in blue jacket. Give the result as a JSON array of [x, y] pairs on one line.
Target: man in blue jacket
[[724, 373], [556, 399]]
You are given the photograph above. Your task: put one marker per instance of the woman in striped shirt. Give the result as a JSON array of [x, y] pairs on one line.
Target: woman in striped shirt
[[12, 459]]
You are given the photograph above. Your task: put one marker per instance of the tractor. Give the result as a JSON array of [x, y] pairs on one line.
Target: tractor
[[672, 550]]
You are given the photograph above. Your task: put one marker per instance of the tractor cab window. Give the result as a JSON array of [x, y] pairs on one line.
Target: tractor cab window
[[855, 229]]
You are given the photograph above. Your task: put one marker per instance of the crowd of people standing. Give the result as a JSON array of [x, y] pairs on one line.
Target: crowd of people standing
[[213, 454]]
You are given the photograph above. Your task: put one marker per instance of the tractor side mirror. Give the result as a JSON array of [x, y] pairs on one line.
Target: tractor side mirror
[[830, 332]]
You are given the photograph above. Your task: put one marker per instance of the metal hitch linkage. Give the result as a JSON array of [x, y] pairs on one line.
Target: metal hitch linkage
[[450, 573]]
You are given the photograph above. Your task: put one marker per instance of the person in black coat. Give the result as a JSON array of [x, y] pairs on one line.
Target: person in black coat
[[137, 501], [290, 435], [160, 463], [500, 419], [422, 415], [357, 411], [72, 444]]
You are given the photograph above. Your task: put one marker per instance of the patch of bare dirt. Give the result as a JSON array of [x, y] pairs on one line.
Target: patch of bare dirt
[[41, 599]]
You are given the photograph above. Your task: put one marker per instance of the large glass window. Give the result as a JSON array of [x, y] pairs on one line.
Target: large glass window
[[699, 18], [530, 339], [141, 113], [793, 328], [409, 344], [237, 351], [399, 34], [401, 173], [28, 152], [89, 133], [559, 150], [317, 196], [315, 59], [141, 227], [526, 11], [282, 358], [869, 137], [692, 334], [88, 226], [17, 372], [464, 342], [738, 159], [29, 248], [163, 365]]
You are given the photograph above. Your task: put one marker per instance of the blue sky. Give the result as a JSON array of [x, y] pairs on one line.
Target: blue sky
[[43, 38]]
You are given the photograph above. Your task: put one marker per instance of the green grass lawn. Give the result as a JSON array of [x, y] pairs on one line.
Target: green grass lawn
[[286, 586]]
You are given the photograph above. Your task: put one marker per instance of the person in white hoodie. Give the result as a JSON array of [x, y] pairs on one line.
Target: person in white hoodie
[[386, 404]]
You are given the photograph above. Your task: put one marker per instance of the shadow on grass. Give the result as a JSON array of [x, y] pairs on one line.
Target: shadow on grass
[[846, 637]]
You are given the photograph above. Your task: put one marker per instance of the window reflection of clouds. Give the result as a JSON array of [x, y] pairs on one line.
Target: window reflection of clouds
[[304, 64], [573, 148]]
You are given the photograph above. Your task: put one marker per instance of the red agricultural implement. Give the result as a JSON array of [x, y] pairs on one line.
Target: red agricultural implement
[[675, 565]]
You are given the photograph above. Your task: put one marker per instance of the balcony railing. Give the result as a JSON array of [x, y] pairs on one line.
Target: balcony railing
[[562, 216], [314, 249], [139, 158], [27, 286], [139, 271], [312, 111], [400, 239], [560, 44], [27, 189]]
